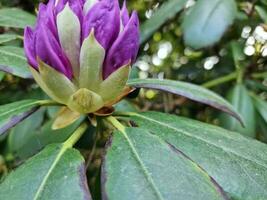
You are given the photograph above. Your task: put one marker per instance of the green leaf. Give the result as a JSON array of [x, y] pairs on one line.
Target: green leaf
[[13, 113], [140, 165], [16, 18], [261, 106], [13, 61], [2, 75], [207, 21], [57, 173], [167, 11], [262, 13], [237, 163], [25, 143], [188, 90], [7, 38], [242, 102]]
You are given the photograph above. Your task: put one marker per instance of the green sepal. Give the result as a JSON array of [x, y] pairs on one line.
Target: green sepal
[[55, 85], [115, 84], [91, 61], [85, 101], [69, 31]]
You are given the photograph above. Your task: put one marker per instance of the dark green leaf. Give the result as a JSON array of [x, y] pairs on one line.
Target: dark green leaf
[[7, 38], [242, 102], [262, 13], [13, 61], [57, 173], [14, 113], [167, 11], [207, 21], [188, 90], [261, 107], [16, 18], [2, 75], [237, 163], [125, 106], [25, 143], [140, 165]]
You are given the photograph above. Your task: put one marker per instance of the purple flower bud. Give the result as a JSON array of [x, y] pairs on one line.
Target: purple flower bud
[[105, 17], [68, 32]]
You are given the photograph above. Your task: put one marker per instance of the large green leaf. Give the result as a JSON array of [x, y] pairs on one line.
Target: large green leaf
[[188, 90], [57, 173], [7, 38], [261, 107], [207, 20], [237, 163], [29, 137], [167, 11], [13, 113], [140, 165], [262, 13], [13, 61], [16, 18], [242, 102]]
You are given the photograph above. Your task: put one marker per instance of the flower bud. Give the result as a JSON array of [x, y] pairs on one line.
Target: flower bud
[[80, 52]]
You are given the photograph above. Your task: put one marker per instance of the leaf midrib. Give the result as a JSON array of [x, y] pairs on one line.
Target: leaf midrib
[[142, 165]]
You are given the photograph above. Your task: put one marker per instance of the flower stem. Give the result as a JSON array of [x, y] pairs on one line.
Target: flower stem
[[116, 123], [221, 80], [262, 75], [76, 136], [49, 103]]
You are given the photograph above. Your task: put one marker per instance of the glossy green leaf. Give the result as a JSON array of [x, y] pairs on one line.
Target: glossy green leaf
[[13, 61], [167, 11], [13, 113], [262, 13], [206, 22], [16, 18], [261, 107], [125, 106], [57, 173], [237, 163], [188, 90], [7, 38], [242, 102], [142, 166], [25, 143]]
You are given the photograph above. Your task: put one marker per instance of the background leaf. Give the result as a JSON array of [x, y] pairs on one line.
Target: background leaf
[[16, 18], [57, 173], [207, 20], [242, 102], [133, 170], [7, 37], [237, 163], [188, 90], [261, 107], [167, 11], [13, 61], [13, 113]]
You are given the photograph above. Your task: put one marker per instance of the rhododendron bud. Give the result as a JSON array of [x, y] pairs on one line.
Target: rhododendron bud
[[80, 52]]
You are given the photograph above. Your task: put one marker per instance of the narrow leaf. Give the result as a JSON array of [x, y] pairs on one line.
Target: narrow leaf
[[242, 102], [188, 90], [142, 166], [262, 13], [16, 18], [13, 61], [261, 107], [167, 11], [57, 173], [14, 113], [207, 21], [237, 163], [7, 38]]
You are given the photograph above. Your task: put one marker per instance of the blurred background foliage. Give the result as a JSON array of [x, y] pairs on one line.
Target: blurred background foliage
[[234, 66]]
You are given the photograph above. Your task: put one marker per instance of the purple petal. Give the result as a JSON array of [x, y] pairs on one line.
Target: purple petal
[[49, 51], [104, 17], [124, 49], [124, 14], [29, 47]]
